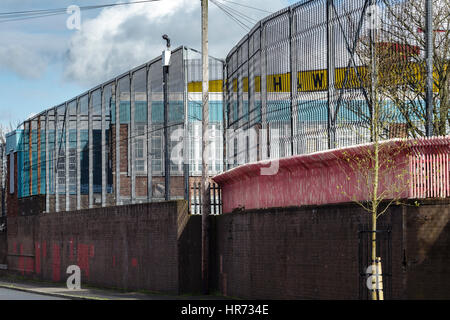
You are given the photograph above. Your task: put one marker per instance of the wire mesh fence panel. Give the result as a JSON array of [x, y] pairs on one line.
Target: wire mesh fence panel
[[71, 160], [193, 63], [277, 66], [61, 127], [139, 135], [95, 136], [328, 71], [310, 47]]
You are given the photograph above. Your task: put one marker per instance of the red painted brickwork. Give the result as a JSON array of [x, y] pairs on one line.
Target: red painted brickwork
[[417, 168], [312, 252], [130, 247]]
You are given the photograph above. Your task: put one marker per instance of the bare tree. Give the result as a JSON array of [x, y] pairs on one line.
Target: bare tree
[[401, 64], [4, 130], [376, 177], [392, 54]]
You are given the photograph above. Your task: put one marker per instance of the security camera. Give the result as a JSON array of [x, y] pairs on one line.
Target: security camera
[[166, 37]]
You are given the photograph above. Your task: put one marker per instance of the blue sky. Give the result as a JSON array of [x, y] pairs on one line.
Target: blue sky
[[43, 63]]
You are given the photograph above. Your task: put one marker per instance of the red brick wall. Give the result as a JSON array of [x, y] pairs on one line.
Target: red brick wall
[[427, 251], [312, 252], [130, 247], [3, 247]]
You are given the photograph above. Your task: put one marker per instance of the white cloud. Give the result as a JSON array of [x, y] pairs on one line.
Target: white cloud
[[27, 54], [124, 37]]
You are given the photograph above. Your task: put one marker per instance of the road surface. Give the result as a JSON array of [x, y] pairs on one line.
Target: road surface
[[9, 294]]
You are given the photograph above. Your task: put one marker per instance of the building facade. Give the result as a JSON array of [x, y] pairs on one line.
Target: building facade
[[298, 83], [106, 146]]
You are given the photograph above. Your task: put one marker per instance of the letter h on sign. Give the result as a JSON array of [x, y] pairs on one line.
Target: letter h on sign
[[277, 85]]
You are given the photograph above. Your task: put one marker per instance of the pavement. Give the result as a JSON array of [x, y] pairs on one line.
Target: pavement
[[58, 290], [11, 294]]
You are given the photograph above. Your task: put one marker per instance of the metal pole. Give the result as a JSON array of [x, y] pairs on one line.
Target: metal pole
[[30, 158], [373, 75], [116, 99], [47, 164], [166, 64], [91, 150], [186, 149], [166, 135], [429, 66], [265, 143], [149, 136], [55, 167], [67, 151], [132, 147], [78, 155], [103, 146], [293, 80], [225, 97], [331, 77], [205, 117]]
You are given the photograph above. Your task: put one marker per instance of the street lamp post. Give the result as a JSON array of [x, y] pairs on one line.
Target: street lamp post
[[166, 63]]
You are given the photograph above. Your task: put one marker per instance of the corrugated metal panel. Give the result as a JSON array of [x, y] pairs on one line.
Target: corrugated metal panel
[[317, 178]]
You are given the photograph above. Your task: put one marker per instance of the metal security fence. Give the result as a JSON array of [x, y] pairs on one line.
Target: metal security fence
[[106, 146], [305, 79], [384, 249], [196, 201], [309, 77], [3, 174]]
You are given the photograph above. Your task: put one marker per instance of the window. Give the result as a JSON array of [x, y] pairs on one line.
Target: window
[[157, 149], [61, 166], [140, 149], [73, 169]]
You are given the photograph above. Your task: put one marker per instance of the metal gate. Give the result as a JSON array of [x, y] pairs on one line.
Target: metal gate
[[384, 250], [196, 200]]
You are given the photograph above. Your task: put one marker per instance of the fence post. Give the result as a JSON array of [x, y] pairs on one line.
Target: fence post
[[331, 76]]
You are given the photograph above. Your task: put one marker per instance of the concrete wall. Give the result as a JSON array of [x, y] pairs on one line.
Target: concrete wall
[[313, 252], [145, 246]]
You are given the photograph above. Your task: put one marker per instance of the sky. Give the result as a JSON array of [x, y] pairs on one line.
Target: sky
[[44, 63]]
